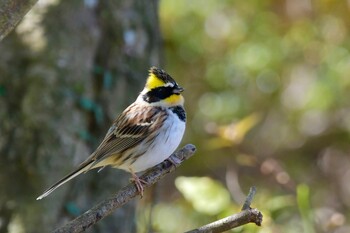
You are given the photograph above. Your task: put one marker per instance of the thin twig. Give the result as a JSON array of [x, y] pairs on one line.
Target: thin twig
[[106, 207], [236, 220], [249, 199], [247, 215]]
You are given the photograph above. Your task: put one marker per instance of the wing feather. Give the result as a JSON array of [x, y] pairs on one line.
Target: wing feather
[[131, 128]]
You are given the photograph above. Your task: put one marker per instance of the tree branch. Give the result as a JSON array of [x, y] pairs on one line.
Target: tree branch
[[106, 207], [11, 12], [247, 215], [236, 220]]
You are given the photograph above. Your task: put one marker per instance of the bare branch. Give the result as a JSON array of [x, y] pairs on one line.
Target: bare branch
[[249, 199], [11, 12], [247, 215], [236, 220], [106, 207]]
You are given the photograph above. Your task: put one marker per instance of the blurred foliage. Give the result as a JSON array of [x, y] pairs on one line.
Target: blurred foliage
[[267, 95], [205, 195]]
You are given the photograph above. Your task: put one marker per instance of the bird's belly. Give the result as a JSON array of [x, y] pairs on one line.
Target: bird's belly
[[162, 147]]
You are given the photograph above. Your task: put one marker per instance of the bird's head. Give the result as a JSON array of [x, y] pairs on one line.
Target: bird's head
[[161, 89]]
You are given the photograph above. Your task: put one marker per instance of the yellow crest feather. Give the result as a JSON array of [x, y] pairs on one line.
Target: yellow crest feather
[[153, 81]]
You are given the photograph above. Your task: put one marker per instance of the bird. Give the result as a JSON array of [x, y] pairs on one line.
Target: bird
[[145, 134]]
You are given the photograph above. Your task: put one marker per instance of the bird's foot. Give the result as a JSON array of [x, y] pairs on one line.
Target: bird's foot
[[138, 183]]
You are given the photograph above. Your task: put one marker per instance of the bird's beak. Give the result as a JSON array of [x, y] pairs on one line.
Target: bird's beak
[[178, 90]]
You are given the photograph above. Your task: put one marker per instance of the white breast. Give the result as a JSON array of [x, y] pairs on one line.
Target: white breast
[[164, 145]]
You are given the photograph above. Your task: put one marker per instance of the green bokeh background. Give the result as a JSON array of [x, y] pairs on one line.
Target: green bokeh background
[[267, 94]]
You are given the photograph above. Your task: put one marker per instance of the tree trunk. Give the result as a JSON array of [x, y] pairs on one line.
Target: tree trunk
[[58, 95]]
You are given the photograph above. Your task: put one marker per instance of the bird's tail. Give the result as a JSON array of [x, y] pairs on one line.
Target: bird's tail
[[82, 168]]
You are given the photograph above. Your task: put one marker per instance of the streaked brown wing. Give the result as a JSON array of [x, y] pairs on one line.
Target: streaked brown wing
[[128, 130]]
